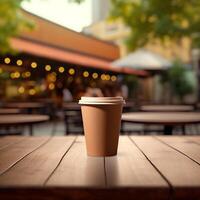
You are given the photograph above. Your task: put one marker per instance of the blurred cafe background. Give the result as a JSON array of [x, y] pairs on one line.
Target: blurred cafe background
[[54, 52]]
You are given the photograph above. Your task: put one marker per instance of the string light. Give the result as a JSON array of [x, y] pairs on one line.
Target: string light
[[17, 74], [51, 86], [48, 67], [7, 60], [71, 71], [14, 75], [85, 74], [107, 77], [19, 62], [113, 78], [21, 89], [95, 75], [33, 64], [51, 77], [26, 74], [61, 69], [32, 92], [54, 73], [103, 77]]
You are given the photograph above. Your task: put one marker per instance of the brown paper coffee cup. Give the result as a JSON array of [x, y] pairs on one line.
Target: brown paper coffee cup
[[102, 122]]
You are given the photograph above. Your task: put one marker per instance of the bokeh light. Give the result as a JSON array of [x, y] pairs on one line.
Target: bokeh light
[[95, 75], [85, 74], [71, 71], [7, 60], [61, 69], [48, 68], [113, 78], [32, 92], [51, 86], [21, 89], [19, 62], [33, 64]]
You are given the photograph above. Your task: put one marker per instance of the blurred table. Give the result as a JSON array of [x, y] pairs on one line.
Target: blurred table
[[22, 120], [147, 167], [71, 106], [5, 111], [166, 108], [29, 106], [128, 106], [72, 116], [167, 119]]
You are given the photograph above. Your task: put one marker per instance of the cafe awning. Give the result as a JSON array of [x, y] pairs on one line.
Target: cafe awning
[[63, 55], [143, 59]]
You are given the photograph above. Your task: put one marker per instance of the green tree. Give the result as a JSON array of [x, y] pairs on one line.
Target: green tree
[[177, 78], [156, 19], [12, 22]]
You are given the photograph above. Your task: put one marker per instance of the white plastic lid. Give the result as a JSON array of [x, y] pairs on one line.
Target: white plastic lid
[[101, 100]]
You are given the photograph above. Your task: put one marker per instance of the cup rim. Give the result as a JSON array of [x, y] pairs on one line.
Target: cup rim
[[101, 100]]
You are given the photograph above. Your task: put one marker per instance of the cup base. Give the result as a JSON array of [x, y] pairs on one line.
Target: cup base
[[101, 155]]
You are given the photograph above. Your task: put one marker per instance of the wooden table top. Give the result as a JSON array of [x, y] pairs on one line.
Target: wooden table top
[[167, 108], [22, 119], [147, 167], [168, 118], [4, 111], [24, 105], [71, 106]]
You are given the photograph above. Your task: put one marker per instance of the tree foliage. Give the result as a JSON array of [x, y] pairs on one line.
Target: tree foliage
[[156, 19], [12, 22], [177, 78]]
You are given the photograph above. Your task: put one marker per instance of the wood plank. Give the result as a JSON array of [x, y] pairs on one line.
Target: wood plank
[[34, 169], [130, 169], [8, 140], [180, 171], [77, 169], [45, 160], [12, 154], [194, 138], [184, 145]]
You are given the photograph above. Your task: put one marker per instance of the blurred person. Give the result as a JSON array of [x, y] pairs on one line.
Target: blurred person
[[67, 96], [124, 91], [93, 92]]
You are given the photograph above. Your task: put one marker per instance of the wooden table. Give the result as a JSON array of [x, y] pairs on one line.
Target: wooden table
[[166, 108], [71, 106], [29, 106], [5, 111], [147, 167], [167, 119], [21, 120], [72, 114]]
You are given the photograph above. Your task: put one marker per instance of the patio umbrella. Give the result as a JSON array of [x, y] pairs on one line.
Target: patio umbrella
[[143, 59]]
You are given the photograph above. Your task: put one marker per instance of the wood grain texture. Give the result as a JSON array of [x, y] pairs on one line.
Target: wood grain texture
[[164, 118], [184, 145], [12, 154], [58, 168], [18, 119], [34, 169], [166, 108], [131, 169], [9, 140], [180, 171], [194, 138], [77, 169]]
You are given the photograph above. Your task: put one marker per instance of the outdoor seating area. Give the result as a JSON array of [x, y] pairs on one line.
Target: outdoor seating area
[[99, 100]]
